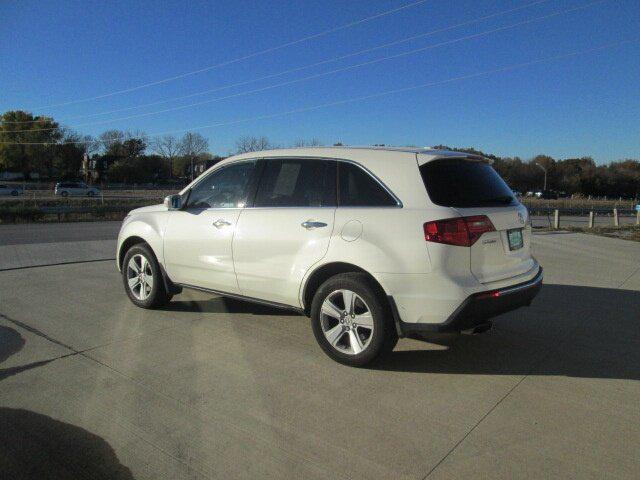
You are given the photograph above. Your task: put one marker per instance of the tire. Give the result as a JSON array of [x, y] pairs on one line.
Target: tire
[[91, 193], [64, 194], [354, 339], [14, 193], [150, 292]]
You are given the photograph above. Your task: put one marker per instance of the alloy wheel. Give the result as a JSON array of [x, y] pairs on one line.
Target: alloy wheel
[[346, 321], [140, 277]]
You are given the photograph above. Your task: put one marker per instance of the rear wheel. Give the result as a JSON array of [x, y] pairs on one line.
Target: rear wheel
[[142, 278], [351, 320], [91, 193], [14, 193], [64, 194]]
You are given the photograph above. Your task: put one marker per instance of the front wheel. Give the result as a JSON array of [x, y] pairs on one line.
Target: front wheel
[[142, 278], [351, 320], [64, 194]]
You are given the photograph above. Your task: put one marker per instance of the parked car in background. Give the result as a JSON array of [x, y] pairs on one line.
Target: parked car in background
[[371, 243], [65, 189], [13, 190]]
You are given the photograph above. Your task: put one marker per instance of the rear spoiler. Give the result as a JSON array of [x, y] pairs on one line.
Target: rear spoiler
[[425, 158]]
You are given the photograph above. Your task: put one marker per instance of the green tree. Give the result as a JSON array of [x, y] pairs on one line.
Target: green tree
[[25, 142]]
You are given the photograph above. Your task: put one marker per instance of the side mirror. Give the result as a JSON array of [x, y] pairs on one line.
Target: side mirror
[[173, 202]]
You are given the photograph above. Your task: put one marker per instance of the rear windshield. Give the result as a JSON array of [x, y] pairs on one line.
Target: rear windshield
[[465, 183]]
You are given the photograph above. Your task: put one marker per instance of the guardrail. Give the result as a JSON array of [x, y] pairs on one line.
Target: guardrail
[[589, 215]]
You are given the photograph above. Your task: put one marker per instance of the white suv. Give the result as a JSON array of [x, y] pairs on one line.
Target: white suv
[[372, 243]]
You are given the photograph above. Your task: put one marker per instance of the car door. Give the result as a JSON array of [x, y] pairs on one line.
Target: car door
[[287, 228], [197, 239]]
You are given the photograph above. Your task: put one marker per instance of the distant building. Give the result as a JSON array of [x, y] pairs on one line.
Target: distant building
[[201, 165]]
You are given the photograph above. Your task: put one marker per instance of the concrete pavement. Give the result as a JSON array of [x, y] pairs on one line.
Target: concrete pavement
[[211, 388]]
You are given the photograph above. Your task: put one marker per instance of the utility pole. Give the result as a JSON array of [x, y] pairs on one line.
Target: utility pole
[[545, 175]]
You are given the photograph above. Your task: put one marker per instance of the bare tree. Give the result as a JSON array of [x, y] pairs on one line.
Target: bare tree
[[191, 146], [252, 144], [110, 140], [314, 142], [91, 144], [169, 148]]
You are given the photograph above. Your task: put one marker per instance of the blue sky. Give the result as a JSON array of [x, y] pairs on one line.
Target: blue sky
[[54, 52]]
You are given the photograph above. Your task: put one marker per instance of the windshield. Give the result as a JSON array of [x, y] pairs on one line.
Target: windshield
[[465, 183]]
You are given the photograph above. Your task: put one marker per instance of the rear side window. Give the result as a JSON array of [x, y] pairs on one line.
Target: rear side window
[[359, 189], [465, 183], [297, 183]]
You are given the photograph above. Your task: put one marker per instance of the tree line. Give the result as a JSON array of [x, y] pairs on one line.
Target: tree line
[[133, 157], [39, 145]]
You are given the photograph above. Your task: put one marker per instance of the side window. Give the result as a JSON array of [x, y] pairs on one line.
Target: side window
[[297, 183], [224, 188], [359, 189]]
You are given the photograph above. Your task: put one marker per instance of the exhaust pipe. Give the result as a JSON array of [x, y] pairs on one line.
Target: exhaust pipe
[[478, 329]]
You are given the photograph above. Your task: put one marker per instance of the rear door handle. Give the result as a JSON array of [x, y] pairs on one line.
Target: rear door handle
[[310, 225], [221, 223]]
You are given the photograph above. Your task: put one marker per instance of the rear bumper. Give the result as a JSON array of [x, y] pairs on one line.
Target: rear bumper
[[477, 308]]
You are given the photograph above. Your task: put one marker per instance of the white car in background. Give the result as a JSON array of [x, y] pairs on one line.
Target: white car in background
[[371, 243], [65, 189], [13, 190]]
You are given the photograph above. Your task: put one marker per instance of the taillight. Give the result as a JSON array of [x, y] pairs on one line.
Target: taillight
[[461, 231]]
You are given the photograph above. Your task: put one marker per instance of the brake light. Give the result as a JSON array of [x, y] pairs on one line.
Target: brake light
[[461, 231]]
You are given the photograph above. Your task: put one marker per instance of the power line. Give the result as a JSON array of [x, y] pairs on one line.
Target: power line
[[323, 74], [375, 95], [297, 69], [239, 59]]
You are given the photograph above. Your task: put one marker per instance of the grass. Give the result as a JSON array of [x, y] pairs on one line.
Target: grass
[[68, 212]]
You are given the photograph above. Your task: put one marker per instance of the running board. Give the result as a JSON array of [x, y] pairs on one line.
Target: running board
[[235, 296]]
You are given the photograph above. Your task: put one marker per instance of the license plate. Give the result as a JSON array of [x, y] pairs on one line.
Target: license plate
[[515, 239]]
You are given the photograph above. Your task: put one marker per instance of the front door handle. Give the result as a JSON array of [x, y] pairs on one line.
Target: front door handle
[[221, 223], [310, 224]]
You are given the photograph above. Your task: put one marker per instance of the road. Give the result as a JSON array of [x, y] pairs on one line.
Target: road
[[30, 233], [30, 245], [209, 388]]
